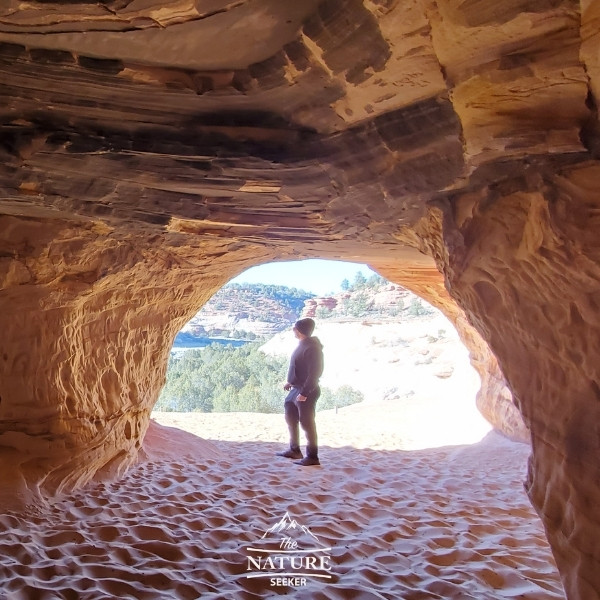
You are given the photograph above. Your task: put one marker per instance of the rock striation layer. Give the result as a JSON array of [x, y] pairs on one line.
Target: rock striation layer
[[150, 151]]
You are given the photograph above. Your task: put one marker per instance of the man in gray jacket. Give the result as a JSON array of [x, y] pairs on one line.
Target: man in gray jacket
[[302, 385]]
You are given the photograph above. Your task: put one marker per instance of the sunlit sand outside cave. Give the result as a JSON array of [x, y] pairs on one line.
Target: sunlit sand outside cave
[[399, 523]]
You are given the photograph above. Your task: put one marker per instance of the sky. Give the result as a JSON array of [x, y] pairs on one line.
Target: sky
[[318, 276]]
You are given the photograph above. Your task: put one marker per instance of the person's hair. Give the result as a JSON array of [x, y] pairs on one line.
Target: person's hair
[[305, 326]]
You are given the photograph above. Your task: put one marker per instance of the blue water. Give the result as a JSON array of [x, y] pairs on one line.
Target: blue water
[[185, 341]]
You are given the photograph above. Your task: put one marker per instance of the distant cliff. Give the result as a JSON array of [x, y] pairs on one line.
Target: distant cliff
[[260, 311], [248, 311], [375, 299]]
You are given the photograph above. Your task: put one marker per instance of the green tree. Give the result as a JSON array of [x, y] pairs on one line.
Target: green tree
[[358, 304], [221, 378], [375, 281], [359, 281], [343, 396], [418, 309], [322, 312]]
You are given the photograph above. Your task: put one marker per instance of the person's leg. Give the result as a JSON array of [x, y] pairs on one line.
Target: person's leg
[[292, 418], [306, 412]]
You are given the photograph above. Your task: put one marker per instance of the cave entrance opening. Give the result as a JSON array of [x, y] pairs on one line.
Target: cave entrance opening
[[386, 349]]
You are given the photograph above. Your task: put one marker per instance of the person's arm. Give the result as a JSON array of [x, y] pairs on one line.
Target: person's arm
[[314, 367]]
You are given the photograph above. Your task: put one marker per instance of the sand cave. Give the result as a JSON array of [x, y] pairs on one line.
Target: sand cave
[[153, 150]]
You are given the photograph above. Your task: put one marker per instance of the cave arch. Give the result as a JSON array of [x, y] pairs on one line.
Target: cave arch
[[96, 400]]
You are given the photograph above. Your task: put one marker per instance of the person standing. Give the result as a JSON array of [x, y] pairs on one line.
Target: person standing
[[302, 385]]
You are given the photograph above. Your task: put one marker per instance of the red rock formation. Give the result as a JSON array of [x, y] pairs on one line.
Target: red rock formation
[[310, 308], [329, 303], [152, 150]]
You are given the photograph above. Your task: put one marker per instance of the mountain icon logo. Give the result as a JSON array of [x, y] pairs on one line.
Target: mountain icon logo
[[286, 524], [289, 555]]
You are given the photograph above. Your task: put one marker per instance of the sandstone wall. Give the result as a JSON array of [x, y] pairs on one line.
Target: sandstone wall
[[524, 267], [88, 320]]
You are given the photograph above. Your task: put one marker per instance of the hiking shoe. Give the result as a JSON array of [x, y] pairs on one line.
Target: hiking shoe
[[308, 461], [290, 454]]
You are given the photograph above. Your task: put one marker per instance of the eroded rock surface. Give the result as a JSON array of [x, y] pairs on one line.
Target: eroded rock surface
[[152, 150]]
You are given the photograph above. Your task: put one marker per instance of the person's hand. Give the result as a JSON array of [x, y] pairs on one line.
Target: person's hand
[[301, 398], [287, 387]]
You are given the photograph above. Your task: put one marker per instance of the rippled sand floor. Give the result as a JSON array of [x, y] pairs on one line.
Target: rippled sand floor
[[445, 523]]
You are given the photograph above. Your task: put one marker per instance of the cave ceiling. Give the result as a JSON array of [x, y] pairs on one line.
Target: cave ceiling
[[276, 120]]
